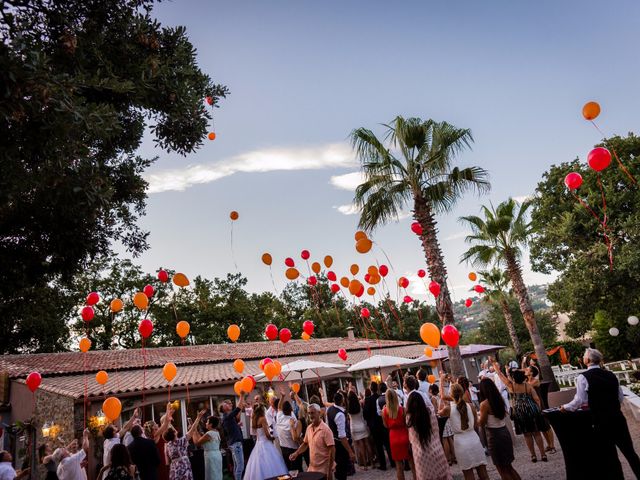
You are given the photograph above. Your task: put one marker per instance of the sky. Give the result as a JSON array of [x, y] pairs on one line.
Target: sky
[[304, 74]]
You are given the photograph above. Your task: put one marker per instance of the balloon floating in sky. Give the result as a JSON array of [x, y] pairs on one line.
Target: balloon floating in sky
[[312, 280], [271, 332], [289, 262], [614, 332], [292, 273], [183, 328], [116, 305], [234, 215], [111, 408], [450, 335], [145, 328], [342, 353], [316, 267], [407, 299], [468, 302], [434, 288], [479, 288], [430, 334], [364, 245], [148, 290], [266, 258], [238, 365], [180, 280], [87, 314], [141, 301], [169, 371], [472, 276], [163, 276], [591, 110], [384, 270], [328, 261], [573, 180], [599, 158], [233, 332], [305, 254], [211, 136], [403, 282], [359, 235], [421, 273], [335, 288], [33, 381], [331, 276], [364, 312], [416, 228]]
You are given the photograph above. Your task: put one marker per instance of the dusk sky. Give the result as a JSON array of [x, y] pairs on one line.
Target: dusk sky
[[303, 74]]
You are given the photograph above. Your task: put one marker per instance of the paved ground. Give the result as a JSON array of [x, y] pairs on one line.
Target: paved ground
[[551, 470]]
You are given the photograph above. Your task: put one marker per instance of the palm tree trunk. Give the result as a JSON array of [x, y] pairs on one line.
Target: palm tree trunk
[[423, 214], [520, 289], [508, 319]]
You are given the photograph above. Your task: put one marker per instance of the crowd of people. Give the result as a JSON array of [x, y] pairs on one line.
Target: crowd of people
[[409, 424]]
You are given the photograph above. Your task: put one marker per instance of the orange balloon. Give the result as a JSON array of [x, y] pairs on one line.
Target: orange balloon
[[238, 365], [278, 367], [430, 334], [102, 377], [234, 215], [111, 408], [116, 305], [374, 279], [363, 245], [183, 328], [372, 270], [354, 269], [359, 235], [590, 110], [305, 336], [371, 291], [266, 258], [328, 261], [85, 345], [233, 332], [181, 280], [428, 352], [315, 267], [141, 301], [472, 276], [431, 378], [344, 281], [270, 370], [295, 387], [211, 136], [292, 273], [169, 371], [246, 385], [237, 387], [354, 286]]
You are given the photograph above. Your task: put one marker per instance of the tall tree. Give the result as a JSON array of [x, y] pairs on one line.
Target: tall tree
[[496, 283], [420, 176], [499, 238], [82, 80]]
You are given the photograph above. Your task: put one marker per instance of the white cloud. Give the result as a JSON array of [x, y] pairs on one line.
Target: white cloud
[[305, 158], [456, 236], [349, 209], [523, 198], [348, 181]]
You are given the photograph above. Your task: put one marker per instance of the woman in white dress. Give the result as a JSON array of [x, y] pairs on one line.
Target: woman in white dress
[[469, 451], [265, 461], [359, 430]]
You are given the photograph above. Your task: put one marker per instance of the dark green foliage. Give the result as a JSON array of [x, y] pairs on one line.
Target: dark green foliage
[[80, 81]]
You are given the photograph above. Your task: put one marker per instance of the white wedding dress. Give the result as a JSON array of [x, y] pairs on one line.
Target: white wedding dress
[[265, 460]]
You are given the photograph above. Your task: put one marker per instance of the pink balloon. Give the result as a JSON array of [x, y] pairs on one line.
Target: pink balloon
[[407, 299]]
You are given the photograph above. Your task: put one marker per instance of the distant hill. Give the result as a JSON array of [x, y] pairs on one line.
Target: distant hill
[[471, 318]]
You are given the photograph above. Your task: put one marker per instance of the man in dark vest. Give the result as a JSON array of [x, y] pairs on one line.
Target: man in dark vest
[[337, 421], [599, 389], [144, 454]]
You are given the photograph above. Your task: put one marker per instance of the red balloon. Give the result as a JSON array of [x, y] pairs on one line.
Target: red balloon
[[253, 380], [145, 328], [342, 353], [335, 288], [573, 180], [285, 335], [308, 327], [422, 273], [365, 313], [416, 228], [367, 278], [266, 360], [87, 314], [305, 254], [163, 276], [384, 270], [403, 282], [148, 290], [360, 292], [434, 288], [468, 302], [210, 100], [407, 299], [331, 276], [312, 280], [93, 298], [479, 288], [289, 262], [271, 332], [599, 158], [33, 381], [450, 335]]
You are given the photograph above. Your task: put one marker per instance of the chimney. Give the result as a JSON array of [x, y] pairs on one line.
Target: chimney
[[350, 334]]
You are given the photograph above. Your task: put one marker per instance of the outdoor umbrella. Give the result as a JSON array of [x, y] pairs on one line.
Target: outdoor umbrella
[[376, 362], [308, 369]]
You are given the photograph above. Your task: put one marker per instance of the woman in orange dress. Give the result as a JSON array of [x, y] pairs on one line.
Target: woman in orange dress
[[394, 421]]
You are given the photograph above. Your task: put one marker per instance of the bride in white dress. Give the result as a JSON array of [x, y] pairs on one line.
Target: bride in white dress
[[265, 460]]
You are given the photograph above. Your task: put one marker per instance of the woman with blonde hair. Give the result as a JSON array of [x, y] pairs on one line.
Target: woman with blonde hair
[[393, 417], [469, 451]]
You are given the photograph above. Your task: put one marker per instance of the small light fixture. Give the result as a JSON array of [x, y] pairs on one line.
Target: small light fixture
[[101, 418], [270, 393], [46, 430]]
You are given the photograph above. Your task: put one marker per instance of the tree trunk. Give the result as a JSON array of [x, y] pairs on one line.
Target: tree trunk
[[508, 319], [423, 214], [520, 289]]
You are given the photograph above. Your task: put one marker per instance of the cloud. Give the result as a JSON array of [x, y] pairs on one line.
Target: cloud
[[349, 209], [456, 236], [348, 181], [336, 155], [523, 198]]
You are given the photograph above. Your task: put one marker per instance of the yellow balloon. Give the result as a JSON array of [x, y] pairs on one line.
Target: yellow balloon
[[116, 305], [141, 301], [430, 334], [238, 365], [169, 371], [111, 408], [183, 328], [233, 332], [181, 280], [85, 345]]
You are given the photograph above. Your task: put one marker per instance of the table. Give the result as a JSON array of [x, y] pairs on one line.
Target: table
[[306, 476]]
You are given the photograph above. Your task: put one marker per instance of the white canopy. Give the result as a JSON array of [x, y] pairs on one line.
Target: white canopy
[[307, 369], [380, 361]]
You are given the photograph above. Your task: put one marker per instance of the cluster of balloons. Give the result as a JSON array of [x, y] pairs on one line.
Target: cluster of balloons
[[363, 242], [430, 335], [270, 368], [245, 385], [632, 320]]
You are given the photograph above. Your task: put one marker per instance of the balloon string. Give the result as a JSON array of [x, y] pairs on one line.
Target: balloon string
[[84, 374], [186, 383], [144, 376], [620, 164], [233, 257], [273, 282]]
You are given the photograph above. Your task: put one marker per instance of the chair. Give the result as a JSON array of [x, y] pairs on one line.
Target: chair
[[557, 399]]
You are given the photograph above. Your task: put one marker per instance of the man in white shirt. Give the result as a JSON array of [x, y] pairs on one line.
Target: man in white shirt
[[112, 436], [411, 386], [423, 385], [271, 414], [7, 471], [69, 467]]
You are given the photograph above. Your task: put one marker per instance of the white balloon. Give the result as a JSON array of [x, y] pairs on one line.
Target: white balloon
[[633, 320], [614, 332]]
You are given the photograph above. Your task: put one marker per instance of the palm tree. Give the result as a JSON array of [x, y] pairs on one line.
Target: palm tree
[[498, 238], [496, 283], [414, 169]]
